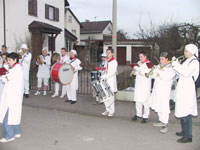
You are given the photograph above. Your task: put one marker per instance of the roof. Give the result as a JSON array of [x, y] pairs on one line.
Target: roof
[[36, 26], [70, 35], [66, 3], [74, 16], [94, 27]]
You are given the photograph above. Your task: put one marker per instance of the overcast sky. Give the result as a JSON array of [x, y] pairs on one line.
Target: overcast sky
[[131, 13]]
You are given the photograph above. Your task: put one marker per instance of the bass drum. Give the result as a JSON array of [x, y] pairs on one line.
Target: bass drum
[[62, 73]]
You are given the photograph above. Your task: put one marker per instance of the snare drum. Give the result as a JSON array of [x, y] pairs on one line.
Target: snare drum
[[62, 73], [95, 75]]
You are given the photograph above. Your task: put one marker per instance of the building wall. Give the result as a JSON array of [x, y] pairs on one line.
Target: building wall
[[18, 19], [108, 30], [92, 36], [74, 25], [1, 24]]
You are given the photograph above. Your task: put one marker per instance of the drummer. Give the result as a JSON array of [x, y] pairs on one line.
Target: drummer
[[63, 60], [73, 86]]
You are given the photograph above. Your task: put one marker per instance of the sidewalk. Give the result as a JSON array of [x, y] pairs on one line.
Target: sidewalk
[[86, 105]]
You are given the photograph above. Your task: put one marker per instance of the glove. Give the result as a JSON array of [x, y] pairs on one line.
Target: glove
[[175, 63], [174, 58], [104, 77]]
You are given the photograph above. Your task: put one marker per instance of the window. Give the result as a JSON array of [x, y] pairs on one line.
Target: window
[[74, 32], [32, 7], [70, 19], [51, 13]]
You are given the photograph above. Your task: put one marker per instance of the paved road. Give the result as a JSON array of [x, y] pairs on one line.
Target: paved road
[[50, 124]]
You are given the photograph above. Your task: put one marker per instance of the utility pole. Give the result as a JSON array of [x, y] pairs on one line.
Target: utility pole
[[114, 32], [4, 17]]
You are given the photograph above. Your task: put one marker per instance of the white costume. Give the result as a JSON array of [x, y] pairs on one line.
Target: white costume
[[73, 86], [111, 76], [142, 89], [26, 62], [63, 59], [160, 97], [43, 73], [186, 101], [12, 96]]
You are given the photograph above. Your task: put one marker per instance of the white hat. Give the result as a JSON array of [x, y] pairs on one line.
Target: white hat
[[192, 49], [24, 46], [103, 55], [44, 49], [74, 52]]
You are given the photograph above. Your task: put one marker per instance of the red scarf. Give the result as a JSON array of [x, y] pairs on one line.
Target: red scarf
[[72, 58], [111, 59], [147, 60]]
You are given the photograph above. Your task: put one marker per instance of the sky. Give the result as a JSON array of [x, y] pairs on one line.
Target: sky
[[132, 13]]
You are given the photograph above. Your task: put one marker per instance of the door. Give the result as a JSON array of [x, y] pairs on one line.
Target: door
[[121, 55]]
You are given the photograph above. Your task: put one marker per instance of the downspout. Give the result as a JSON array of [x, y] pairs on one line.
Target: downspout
[[4, 17]]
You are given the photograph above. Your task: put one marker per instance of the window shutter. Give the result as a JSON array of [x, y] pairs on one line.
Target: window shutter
[[30, 7], [46, 11], [35, 7], [56, 14]]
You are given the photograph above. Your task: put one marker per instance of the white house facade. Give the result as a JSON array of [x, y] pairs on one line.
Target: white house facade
[[34, 21]]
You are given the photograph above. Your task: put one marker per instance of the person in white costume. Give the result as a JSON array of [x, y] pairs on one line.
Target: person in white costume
[[160, 97], [110, 74], [73, 86], [26, 63], [11, 100], [142, 88], [63, 59], [43, 74], [186, 100]]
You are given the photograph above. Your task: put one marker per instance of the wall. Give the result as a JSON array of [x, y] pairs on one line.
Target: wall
[[18, 19], [92, 36], [72, 26], [1, 24]]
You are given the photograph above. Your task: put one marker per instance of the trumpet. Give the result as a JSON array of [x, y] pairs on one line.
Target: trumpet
[[180, 59]]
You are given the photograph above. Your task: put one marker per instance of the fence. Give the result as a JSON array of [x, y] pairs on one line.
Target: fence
[[84, 80]]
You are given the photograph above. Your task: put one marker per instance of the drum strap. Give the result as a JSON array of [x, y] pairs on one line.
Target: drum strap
[[72, 60]]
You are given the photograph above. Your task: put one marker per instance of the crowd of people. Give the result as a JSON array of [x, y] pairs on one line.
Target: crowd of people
[[16, 79]]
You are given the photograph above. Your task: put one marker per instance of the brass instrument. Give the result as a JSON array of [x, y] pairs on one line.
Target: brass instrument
[[180, 59]]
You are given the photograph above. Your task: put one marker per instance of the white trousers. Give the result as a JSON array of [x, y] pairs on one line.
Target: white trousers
[[44, 80], [110, 105], [26, 86], [139, 109], [57, 86], [163, 117], [71, 93]]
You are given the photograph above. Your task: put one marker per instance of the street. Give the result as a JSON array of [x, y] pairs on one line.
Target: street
[[48, 128]]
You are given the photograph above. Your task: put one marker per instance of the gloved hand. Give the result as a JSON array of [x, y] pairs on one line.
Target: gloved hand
[[173, 58], [175, 63], [104, 77]]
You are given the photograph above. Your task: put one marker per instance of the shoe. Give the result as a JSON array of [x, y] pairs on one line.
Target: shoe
[[26, 95], [54, 95], [158, 124], [105, 113], [61, 96], [136, 118], [180, 133], [37, 93], [3, 140], [45, 93], [17, 135], [144, 120], [110, 115], [164, 129], [184, 140], [68, 101], [73, 102]]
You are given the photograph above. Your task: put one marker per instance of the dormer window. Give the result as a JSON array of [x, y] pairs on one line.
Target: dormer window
[[51, 13], [32, 7]]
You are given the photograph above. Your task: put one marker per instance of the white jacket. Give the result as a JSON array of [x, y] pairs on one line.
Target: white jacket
[[76, 64], [186, 101], [159, 100], [26, 62], [142, 83], [44, 69], [65, 59], [111, 74], [12, 95]]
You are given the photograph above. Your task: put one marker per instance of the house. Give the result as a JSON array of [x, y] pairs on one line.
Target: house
[[128, 50], [97, 30], [39, 23], [72, 29]]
